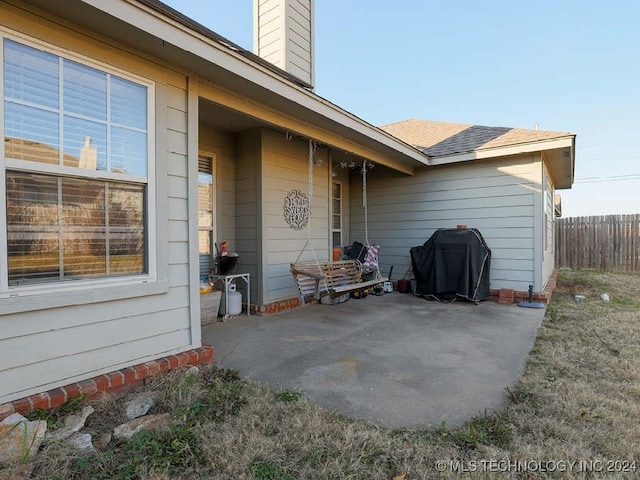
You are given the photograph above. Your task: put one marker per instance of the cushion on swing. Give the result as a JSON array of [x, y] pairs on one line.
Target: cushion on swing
[[371, 260]]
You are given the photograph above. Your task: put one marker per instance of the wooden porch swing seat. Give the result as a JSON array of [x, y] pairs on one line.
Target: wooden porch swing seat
[[318, 279]]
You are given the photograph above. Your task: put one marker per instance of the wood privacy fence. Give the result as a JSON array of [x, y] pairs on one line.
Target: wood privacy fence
[[607, 243]]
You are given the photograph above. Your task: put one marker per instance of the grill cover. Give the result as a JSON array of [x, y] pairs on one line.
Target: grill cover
[[453, 263]]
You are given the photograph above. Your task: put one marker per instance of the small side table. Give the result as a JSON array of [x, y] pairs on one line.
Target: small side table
[[228, 280]]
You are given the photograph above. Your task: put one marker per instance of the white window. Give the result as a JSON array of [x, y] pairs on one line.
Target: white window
[[206, 216], [336, 205], [74, 169]]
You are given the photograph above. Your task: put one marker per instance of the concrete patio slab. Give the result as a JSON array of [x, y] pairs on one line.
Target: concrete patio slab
[[398, 360]]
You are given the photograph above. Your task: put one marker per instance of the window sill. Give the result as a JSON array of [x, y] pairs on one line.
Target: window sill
[[44, 297]]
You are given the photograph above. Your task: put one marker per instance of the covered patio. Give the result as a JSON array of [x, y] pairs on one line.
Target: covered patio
[[249, 168], [397, 360]]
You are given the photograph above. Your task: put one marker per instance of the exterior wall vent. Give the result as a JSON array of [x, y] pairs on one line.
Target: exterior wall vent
[[283, 35]]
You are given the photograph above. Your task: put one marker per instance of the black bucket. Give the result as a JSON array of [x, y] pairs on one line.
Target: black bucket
[[227, 264]]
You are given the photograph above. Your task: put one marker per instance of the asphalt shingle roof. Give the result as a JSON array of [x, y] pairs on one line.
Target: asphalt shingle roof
[[443, 138]]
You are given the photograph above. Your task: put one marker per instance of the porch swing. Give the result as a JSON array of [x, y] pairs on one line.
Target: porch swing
[[316, 279]]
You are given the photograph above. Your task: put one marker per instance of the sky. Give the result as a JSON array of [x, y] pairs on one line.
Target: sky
[[569, 66]]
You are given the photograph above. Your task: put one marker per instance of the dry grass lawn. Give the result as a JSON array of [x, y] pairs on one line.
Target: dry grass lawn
[[579, 401]]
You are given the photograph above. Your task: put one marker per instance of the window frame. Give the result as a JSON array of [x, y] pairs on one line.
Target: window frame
[[101, 289], [340, 213], [213, 227]]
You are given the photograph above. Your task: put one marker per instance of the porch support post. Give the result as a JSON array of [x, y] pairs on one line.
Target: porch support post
[[192, 179]]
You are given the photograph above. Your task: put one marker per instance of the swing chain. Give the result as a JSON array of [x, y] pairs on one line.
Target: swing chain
[[309, 242], [364, 203]]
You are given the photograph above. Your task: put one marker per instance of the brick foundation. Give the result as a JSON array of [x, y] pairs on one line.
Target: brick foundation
[[504, 296], [507, 296], [114, 382], [276, 307]]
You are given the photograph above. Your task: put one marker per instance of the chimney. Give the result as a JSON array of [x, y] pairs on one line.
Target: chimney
[[283, 35]]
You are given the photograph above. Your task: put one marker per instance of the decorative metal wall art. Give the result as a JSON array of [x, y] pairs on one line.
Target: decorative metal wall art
[[296, 209]]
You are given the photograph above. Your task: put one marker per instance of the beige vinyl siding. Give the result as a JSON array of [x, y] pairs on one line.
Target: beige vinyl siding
[[247, 218], [299, 47], [283, 35], [286, 168], [268, 27], [496, 197], [44, 347]]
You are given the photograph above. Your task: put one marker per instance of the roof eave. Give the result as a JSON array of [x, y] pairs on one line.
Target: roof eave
[[565, 175], [560, 157], [198, 27], [153, 18], [507, 150]]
